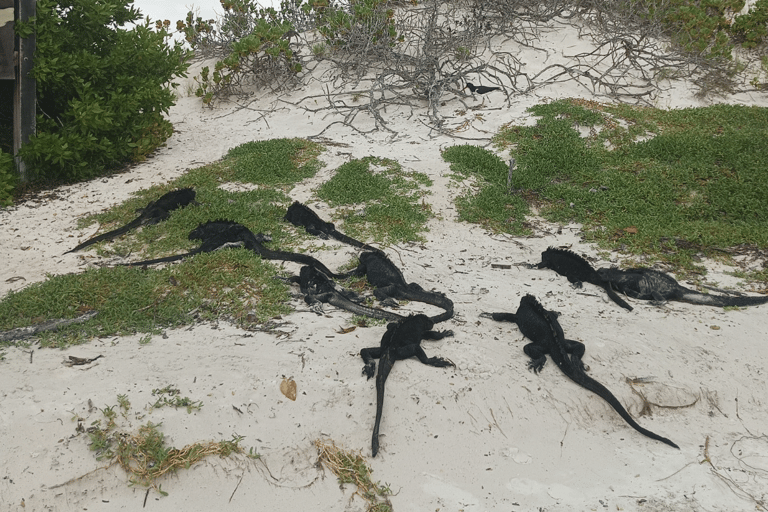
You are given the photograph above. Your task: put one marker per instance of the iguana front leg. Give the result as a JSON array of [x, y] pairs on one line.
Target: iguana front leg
[[369, 356], [537, 353]]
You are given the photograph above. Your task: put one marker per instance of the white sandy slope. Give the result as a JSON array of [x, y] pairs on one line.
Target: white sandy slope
[[487, 435]]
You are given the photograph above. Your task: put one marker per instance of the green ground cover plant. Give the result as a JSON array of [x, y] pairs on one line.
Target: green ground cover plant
[[378, 200], [669, 184], [488, 203]]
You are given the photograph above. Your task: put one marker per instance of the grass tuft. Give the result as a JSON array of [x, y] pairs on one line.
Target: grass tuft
[[352, 468], [144, 454]]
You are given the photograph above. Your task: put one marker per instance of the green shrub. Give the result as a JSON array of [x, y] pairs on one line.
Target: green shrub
[[751, 28], [7, 178], [263, 54], [367, 22], [102, 89]]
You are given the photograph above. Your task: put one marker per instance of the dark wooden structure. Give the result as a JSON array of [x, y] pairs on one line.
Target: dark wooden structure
[[16, 60]]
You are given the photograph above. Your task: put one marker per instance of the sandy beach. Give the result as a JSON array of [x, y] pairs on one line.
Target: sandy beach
[[487, 435]]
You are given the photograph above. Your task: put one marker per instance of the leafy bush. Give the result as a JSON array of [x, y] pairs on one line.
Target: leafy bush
[[7, 178], [365, 22], [699, 26], [751, 28], [262, 55], [102, 89]]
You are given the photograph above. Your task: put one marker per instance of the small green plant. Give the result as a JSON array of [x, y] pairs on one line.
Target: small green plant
[[262, 55], [352, 468], [124, 403], [462, 54], [699, 27], [365, 23], [169, 396], [318, 51]]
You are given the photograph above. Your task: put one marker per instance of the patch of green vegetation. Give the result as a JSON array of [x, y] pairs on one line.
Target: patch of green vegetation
[[271, 165], [489, 204], [232, 284], [673, 184], [143, 454], [274, 162], [380, 201]]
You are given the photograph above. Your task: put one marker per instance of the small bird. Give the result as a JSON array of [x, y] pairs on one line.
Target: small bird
[[480, 89]]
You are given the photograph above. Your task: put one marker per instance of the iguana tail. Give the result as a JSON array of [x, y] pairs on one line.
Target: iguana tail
[[385, 365], [167, 259], [577, 375], [109, 235], [269, 254], [694, 297], [336, 299], [435, 299], [341, 237]]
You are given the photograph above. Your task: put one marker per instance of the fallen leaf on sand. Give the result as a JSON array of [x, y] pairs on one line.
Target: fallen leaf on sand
[[288, 388]]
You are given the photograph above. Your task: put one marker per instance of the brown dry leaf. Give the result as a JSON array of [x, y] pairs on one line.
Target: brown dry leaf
[[288, 388], [631, 229], [346, 330]]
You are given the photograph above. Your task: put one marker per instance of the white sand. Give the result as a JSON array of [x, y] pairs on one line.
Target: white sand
[[487, 435]]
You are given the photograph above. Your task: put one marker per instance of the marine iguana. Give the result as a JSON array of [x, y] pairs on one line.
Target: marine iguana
[[215, 235], [390, 283], [649, 284], [154, 212], [299, 214], [319, 288], [577, 270], [218, 234], [546, 335], [401, 341]]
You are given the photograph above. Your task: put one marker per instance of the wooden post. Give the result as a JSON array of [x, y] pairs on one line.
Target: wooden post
[[25, 106], [6, 40]]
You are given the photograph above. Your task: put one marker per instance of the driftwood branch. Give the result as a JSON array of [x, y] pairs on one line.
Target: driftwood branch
[[49, 325]]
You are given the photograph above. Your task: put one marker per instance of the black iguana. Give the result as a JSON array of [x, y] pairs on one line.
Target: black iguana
[[401, 341], [218, 234], [154, 212], [390, 283], [542, 328], [214, 235], [577, 270], [299, 214], [319, 288], [648, 284]]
